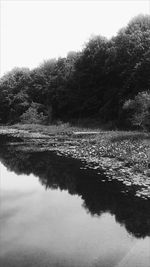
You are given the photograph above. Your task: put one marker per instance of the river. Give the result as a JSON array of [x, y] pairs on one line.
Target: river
[[54, 212]]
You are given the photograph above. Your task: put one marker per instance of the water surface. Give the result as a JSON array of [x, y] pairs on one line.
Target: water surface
[[54, 213]]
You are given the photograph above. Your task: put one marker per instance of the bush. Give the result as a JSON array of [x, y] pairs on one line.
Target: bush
[[139, 108], [32, 116]]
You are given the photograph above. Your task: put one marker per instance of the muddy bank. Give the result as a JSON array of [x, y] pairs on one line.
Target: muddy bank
[[122, 157]]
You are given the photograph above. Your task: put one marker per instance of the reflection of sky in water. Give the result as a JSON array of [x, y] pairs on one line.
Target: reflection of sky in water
[[16, 182], [51, 228]]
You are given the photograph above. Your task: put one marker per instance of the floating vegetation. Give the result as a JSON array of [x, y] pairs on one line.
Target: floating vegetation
[[123, 159]]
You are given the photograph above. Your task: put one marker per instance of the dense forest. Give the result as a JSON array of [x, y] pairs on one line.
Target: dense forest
[[109, 81]]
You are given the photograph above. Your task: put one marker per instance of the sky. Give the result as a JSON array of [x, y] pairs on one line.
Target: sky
[[36, 30]]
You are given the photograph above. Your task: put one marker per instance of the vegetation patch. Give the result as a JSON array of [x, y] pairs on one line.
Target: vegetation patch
[[107, 81], [122, 155]]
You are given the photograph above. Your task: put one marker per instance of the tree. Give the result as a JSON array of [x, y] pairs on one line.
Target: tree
[[41, 88], [13, 91], [126, 53], [87, 79], [94, 82]]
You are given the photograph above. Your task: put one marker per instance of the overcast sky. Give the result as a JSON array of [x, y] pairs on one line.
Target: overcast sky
[[33, 31]]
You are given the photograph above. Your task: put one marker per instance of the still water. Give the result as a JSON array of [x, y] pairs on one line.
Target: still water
[[54, 213]]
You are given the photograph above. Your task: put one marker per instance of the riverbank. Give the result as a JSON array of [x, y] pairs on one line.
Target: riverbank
[[119, 155]]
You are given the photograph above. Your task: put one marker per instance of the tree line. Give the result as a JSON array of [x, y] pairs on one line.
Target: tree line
[[108, 80]]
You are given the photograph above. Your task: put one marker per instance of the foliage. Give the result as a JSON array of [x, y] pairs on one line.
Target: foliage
[[14, 99], [140, 107], [93, 83], [33, 116]]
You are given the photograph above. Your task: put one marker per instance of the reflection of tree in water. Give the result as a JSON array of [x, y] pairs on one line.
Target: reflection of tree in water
[[65, 173]]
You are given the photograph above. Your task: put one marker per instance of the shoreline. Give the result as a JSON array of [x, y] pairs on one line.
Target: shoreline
[[120, 155]]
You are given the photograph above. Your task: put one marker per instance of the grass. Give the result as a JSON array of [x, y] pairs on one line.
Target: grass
[[44, 129], [65, 128]]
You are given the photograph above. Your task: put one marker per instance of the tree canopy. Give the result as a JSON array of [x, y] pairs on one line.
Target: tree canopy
[[92, 83]]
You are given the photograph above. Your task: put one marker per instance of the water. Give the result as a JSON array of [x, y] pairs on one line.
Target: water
[[54, 213]]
